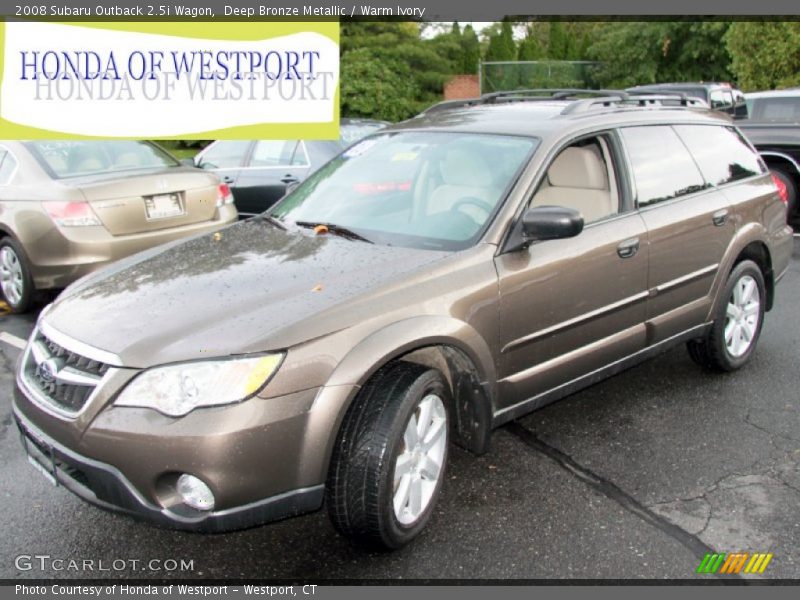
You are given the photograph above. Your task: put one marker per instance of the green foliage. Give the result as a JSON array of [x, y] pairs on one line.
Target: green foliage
[[471, 51], [633, 53], [389, 72], [530, 48], [559, 46], [374, 87], [501, 44], [765, 55]]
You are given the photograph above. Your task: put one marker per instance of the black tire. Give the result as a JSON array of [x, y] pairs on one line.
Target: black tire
[[712, 351], [360, 488], [791, 191], [24, 302]]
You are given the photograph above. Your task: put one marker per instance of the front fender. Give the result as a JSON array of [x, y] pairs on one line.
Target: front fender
[[407, 335]]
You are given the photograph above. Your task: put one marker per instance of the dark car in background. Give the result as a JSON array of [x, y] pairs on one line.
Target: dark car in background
[[723, 97], [259, 172], [774, 129]]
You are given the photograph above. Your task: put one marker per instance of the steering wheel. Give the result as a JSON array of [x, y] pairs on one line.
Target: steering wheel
[[473, 201]]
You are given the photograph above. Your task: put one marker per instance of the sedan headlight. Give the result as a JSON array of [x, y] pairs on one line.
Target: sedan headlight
[[176, 390]]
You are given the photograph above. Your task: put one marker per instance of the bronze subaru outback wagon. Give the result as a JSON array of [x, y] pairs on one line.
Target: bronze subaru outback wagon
[[429, 284]]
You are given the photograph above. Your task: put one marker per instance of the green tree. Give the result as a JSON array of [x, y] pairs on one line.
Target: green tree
[[372, 86], [765, 55], [530, 48], [394, 56], [471, 50], [634, 53], [502, 48], [501, 44], [559, 45]]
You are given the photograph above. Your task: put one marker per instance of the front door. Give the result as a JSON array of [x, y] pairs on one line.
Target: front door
[[569, 307]]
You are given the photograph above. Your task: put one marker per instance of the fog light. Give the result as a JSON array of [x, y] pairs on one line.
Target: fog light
[[195, 493]]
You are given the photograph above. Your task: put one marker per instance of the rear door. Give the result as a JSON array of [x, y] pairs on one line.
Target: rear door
[[689, 225], [270, 168]]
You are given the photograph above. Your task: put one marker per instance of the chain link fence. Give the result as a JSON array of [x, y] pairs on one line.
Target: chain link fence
[[503, 76]]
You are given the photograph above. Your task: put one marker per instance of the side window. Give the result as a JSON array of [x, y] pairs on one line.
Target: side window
[[581, 177], [273, 153], [7, 166], [300, 158], [721, 99], [226, 154], [662, 167], [721, 152]]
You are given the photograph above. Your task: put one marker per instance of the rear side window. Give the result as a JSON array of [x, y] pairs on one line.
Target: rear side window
[[723, 155], [662, 167], [225, 154]]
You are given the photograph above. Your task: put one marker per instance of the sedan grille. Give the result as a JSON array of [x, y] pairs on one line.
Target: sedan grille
[[62, 378]]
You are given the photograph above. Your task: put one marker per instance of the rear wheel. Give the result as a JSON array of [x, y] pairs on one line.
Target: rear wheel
[[16, 281], [791, 191], [390, 457], [734, 334]]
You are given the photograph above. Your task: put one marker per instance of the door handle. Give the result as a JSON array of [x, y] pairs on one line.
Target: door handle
[[227, 179], [720, 217], [628, 248], [289, 179]]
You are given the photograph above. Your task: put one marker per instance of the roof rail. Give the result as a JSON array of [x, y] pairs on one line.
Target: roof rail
[[596, 98], [548, 94]]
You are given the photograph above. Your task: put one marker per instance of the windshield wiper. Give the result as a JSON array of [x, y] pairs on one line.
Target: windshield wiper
[[336, 229]]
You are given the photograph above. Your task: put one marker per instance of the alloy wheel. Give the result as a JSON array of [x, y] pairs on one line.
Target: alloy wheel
[[419, 463]]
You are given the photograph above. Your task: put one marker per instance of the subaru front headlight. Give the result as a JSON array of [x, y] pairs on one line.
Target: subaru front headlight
[[176, 390]]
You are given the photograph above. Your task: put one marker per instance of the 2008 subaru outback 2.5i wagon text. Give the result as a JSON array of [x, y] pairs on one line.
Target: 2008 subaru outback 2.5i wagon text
[[434, 281]]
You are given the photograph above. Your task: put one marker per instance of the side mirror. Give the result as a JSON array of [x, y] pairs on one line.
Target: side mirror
[[551, 223]]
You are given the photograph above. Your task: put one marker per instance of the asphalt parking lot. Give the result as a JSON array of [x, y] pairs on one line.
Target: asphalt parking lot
[[636, 477]]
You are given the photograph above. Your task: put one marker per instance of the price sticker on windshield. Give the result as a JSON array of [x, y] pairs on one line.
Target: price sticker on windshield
[[360, 148]]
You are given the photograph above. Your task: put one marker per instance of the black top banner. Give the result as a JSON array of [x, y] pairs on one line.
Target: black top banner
[[426, 10]]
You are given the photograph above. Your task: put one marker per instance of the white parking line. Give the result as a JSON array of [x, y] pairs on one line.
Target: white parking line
[[12, 340]]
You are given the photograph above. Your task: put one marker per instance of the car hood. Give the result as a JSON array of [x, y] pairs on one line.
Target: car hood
[[247, 288]]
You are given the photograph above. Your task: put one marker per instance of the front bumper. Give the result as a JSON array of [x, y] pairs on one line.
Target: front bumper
[[105, 486], [265, 458]]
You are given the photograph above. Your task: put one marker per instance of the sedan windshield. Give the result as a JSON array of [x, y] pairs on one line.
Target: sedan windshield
[[75, 159], [418, 189]]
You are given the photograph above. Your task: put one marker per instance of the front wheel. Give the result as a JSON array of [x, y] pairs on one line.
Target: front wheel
[[732, 339], [390, 457]]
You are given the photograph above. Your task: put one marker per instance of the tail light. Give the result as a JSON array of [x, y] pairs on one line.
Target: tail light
[[71, 214], [224, 195], [784, 195]]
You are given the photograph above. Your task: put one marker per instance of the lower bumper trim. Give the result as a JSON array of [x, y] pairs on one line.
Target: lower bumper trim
[[105, 486]]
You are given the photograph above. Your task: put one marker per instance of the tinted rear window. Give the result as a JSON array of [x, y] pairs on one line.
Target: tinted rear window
[[721, 152], [74, 159], [786, 108], [662, 166]]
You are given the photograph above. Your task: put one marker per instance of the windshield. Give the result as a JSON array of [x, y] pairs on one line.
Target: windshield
[[74, 159], [418, 189]]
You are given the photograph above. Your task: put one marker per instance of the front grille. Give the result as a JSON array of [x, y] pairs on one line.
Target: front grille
[[63, 378]]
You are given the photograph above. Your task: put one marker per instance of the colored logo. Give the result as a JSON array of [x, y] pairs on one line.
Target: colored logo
[[739, 562]]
